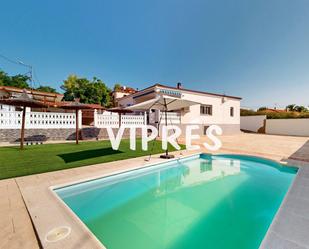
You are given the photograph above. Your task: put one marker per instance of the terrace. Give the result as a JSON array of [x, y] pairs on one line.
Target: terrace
[[20, 195]]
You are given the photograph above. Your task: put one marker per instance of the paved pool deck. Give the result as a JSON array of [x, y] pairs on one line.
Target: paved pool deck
[[30, 196]]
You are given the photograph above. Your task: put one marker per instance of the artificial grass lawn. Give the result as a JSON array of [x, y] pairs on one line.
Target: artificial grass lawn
[[49, 157]]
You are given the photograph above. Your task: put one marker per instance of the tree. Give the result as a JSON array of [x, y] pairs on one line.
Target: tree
[[47, 89], [19, 80], [290, 108], [89, 92], [262, 109], [4, 78], [300, 108], [117, 87]]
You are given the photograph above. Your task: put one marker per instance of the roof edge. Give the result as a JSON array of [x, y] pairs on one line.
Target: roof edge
[[183, 89]]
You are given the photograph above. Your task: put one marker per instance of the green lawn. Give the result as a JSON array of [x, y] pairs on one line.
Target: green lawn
[[49, 157]]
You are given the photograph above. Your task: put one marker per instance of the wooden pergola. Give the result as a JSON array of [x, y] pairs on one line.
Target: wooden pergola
[[76, 106], [23, 101]]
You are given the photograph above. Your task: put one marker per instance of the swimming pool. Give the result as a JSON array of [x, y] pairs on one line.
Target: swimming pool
[[204, 201]]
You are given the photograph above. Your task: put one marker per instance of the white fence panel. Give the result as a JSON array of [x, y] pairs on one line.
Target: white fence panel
[[172, 118], [10, 119], [252, 123], [38, 120], [110, 119], [106, 119], [133, 120], [292, 127]]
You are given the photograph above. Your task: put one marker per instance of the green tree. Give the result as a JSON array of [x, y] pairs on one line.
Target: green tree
[[4, 78], [290, 108], [117, 86], [47, 89], [300, 108], [89, 92], [19, 80], [262, 109]]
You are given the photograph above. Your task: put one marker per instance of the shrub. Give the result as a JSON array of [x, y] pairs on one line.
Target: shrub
[[275, 115], [244, 112]]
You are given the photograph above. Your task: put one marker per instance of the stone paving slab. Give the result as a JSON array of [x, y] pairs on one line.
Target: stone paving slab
[[15, 224], [290, 227]]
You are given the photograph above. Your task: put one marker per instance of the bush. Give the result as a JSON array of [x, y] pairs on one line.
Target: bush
[[283, 115], [244, 112], [274, 115]]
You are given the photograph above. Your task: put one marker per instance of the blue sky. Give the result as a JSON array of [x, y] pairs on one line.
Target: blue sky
[[257, 49]]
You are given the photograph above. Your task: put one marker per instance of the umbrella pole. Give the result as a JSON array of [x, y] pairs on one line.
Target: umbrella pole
[[22, 133], [77, 129], [166, 152], [166, 156]]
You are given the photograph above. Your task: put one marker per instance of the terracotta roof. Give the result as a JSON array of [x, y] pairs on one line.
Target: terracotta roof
[[67, 103], [23, 100], [273, 110], [29, 91], [95, 106]]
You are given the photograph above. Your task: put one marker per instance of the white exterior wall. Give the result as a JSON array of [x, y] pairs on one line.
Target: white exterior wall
[[252, 123], [292, 127], [220, 111]]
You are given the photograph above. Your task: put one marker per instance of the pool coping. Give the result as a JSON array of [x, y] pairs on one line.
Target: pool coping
[[41, 201], [290, 226], [275, 238], [88, 179]]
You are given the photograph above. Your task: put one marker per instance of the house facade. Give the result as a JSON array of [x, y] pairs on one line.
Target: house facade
[[121, 92], [218, 109]]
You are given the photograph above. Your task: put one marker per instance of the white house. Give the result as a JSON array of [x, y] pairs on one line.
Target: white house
[[219, 109]]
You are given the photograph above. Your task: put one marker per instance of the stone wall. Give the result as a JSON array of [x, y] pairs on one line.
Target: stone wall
[[91, 133]]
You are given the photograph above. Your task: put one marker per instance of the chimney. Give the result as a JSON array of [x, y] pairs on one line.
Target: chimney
[[178, 85]]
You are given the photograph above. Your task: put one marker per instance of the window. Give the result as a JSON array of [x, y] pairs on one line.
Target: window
[[232, 111], [206, 109]]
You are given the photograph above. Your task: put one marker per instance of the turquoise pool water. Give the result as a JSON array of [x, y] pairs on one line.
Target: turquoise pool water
[[209, 202]]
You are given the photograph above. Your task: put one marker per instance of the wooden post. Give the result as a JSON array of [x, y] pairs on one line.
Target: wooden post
[[77, 129], [22, 132]]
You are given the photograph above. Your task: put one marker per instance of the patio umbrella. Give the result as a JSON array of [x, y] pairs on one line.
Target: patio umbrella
[[163, 103], [120, 111], [76, 106], [23, 101]]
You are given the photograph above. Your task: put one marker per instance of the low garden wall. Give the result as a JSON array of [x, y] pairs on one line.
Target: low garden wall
[[292, 127], [288, 127], [91, 133], [252, 123]]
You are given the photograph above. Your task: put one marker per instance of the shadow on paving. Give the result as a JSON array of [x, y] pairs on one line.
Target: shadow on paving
[[302, 154], [88, 154]]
